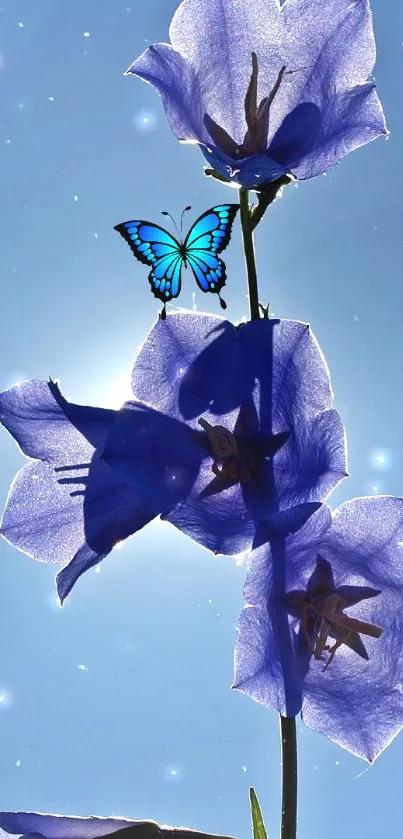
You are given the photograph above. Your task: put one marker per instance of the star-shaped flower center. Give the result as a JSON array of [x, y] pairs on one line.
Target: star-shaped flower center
[[320, 609], [257, 119], [239, 454], [232, 462]]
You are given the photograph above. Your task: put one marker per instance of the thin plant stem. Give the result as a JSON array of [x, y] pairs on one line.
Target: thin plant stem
[[288, 735], [249, 249]]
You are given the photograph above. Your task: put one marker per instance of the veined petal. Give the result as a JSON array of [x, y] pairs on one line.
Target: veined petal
[[43, 517], [74, 516], [289, 367], [48, 427], [179, 86], [69, 506], [348, 120], [190, 364], [338, 45], [264, 669], [313, 462]]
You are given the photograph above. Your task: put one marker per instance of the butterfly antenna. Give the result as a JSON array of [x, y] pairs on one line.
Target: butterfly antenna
[[222, 302], [165, 213], [183, 213]]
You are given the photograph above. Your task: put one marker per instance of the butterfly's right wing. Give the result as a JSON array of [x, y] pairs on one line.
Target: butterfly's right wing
[[153, 246]]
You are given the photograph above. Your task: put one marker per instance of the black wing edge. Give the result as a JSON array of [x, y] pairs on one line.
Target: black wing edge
[[120, 228], [232, 210]]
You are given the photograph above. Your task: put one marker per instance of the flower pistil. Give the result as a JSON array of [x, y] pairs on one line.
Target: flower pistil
[[257, 119]]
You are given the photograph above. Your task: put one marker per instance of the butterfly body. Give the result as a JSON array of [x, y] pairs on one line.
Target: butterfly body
[[157, 248]]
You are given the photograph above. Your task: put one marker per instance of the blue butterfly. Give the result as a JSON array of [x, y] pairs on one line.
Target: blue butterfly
[[154, 246]]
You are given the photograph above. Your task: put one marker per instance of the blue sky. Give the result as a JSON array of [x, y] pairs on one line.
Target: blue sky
[[119, 703]]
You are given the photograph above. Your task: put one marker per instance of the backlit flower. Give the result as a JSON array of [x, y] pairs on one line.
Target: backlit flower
[[268, 89], [255, 405], [228, 426], [322, 631]]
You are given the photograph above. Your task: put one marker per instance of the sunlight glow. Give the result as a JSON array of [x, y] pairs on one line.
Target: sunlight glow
[[381, 459]]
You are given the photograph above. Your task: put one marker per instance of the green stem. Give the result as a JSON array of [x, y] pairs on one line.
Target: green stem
[[247, 235], [288, 735]]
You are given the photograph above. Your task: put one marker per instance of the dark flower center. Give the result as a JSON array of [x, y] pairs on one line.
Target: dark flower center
[[256, 116], [322, 617], [233, 461]]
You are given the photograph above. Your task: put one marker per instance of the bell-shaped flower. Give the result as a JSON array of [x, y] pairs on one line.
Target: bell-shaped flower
[[268, 89], [51, 826], [322, 631], [255, 405], [229, 425]]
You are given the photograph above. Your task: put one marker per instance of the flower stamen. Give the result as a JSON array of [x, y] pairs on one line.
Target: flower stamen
[[330, 620], [223, 442], [229, 463], [256, 116]]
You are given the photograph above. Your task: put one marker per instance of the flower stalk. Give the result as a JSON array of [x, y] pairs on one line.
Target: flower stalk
[[288, 736], [249, 249]]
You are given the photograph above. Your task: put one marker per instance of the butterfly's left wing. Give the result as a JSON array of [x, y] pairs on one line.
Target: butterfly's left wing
[[155, 247], [209, 236]]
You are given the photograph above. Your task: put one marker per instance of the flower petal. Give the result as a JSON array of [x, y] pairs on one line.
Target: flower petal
[[219, 522], [328, 55], [348, 120], [249, 172], [48, 427], [294, 394], [112, 512], [43, 517], [61, 827], [156, 455], [190, 364], [303, 543], [290, 369], [313, 461], [337, 48], [179, 86], [70, 505], [263, 668]]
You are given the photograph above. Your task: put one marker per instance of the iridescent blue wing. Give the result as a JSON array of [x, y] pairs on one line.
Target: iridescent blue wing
[[209, 236], [154, 246]]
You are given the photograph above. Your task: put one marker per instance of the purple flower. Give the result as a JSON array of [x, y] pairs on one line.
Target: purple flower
[[50, 826], [256, 404], [322, 631], [228, 426], [268, 89]]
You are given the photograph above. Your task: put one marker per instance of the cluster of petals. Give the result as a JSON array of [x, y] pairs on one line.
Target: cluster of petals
[[268, 88], [354, 558], [97, 476]]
